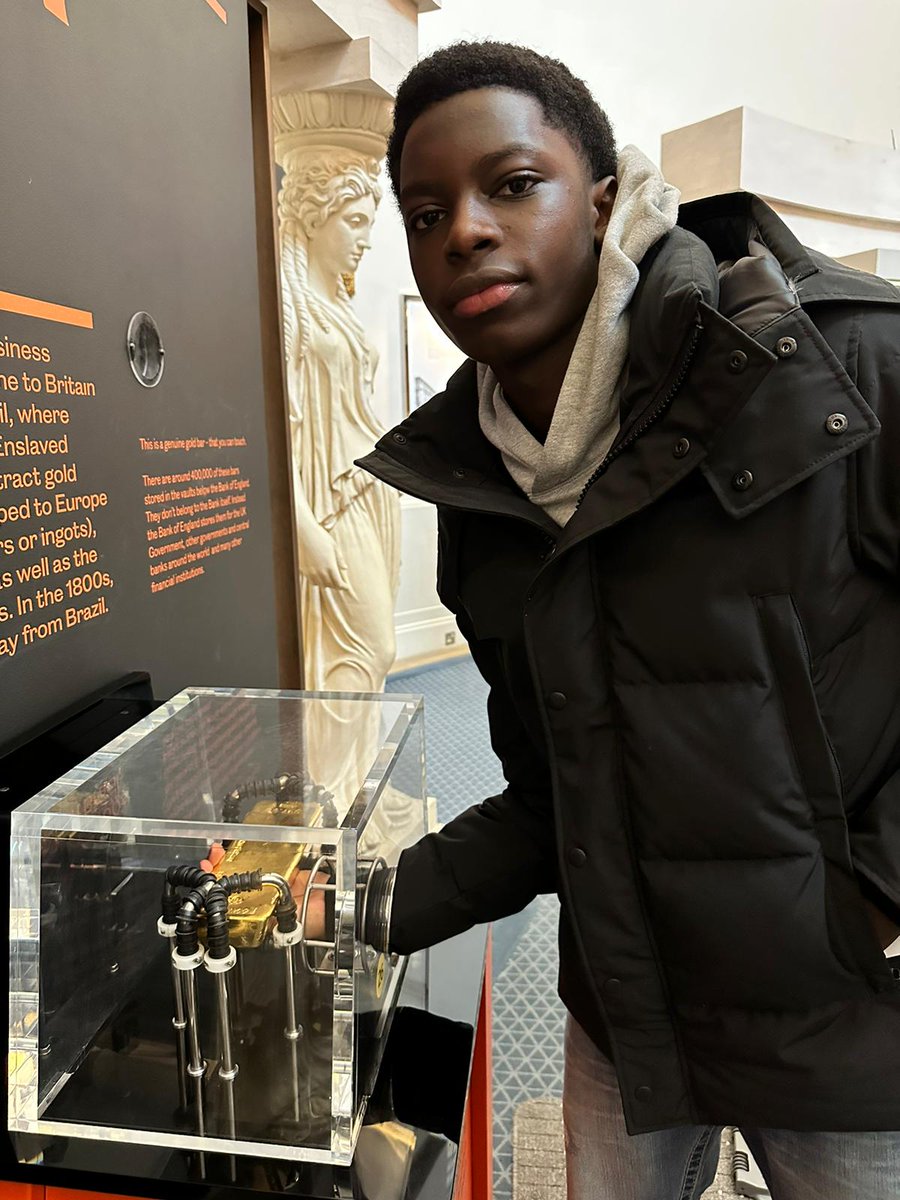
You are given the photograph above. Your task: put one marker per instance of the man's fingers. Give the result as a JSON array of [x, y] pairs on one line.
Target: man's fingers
[[315, 912], [215, 856], [298, 885]]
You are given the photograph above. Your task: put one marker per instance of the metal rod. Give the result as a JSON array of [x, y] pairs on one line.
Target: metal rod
[[198, 1098], [181, 1066], [196, 1065], [281, 883], [292, 1030], [178, 1020], [239, 985], [180, 1024], [227, 1067], [229, 1105], [295, 1075]]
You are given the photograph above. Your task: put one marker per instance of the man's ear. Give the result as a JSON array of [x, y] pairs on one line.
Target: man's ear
[[603, 196]]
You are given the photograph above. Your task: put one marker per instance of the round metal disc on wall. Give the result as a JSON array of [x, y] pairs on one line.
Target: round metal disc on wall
[[146, 353]]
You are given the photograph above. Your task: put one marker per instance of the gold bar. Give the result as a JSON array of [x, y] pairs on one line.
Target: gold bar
[[250, 914]]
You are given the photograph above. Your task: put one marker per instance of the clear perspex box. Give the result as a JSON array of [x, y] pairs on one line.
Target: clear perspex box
[[138, 1012]]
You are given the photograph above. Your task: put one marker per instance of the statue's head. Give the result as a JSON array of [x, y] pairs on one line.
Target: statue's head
[[332, 194]]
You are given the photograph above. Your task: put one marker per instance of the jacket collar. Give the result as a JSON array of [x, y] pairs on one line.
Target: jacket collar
[[806, 413], [439, 453], [727, 222]]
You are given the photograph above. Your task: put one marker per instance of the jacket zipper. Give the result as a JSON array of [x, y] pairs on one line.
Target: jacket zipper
[[651, 418]]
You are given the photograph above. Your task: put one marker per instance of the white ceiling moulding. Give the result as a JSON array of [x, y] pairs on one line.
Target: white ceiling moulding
[[299, 24], [359, 65], [838, 195], [346, 45]]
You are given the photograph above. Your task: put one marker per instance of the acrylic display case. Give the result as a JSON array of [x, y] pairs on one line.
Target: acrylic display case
[[186, 965]]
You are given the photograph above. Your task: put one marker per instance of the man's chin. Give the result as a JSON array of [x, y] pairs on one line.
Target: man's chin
[[497, 342]]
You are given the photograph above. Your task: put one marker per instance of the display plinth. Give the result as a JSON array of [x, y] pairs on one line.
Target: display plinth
[[160, 1003]]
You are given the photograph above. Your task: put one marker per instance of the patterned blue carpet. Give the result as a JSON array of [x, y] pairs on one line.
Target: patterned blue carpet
[[528, 1016]]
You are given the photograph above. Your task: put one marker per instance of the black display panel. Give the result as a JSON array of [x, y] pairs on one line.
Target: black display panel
[[135, 529]]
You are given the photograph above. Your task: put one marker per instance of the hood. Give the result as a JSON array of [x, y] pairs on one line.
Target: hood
[[729, 253]]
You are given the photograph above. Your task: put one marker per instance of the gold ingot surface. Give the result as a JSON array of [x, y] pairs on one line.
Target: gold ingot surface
[[250, 914]]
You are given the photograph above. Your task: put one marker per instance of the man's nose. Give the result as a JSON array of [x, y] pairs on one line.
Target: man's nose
[[472, 228]]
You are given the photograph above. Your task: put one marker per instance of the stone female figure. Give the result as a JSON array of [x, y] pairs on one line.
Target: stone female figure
[[347, 522]]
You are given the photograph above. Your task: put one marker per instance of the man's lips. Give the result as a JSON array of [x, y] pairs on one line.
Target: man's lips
[[488, 298]]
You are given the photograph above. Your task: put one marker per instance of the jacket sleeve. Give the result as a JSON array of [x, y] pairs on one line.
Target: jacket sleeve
[[875, 532], [492, 859]]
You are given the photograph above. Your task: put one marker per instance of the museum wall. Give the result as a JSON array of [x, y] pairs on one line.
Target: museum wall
[[656, 69], [144, 485]]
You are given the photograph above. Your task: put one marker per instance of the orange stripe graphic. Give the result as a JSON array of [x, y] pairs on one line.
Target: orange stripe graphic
[[58, 8], [45, 311]]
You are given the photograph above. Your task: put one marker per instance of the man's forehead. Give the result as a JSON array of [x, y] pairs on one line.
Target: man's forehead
[[478, 110], [477, 126]]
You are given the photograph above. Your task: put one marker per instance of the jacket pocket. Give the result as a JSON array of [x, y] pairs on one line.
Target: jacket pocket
[[850, 932]]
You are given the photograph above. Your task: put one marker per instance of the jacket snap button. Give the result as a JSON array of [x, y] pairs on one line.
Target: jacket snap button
[[681, 447], [458, 473], [836, 423], [611, 987], [742, 481], [737, 362], [557, 700], [643, 1094], [400, 439], [786, 346], [576, 857]]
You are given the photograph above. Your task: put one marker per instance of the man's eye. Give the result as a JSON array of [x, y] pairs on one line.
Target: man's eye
[[519, 185], [426, 220]]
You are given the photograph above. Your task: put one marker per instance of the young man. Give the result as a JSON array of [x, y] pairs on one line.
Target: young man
[[668, 490]]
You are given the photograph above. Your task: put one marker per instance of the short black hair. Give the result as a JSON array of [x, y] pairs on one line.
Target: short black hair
[[565, 99]]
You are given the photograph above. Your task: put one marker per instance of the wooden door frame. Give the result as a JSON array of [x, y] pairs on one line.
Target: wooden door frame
[[281, 476]]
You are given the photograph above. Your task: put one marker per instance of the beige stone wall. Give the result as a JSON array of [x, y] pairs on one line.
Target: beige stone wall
[[838, 195]]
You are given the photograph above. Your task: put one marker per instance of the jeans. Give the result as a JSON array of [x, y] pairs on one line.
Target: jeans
[[604, 1163]]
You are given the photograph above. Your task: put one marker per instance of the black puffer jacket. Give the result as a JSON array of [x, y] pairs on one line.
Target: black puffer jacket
[[695, 688]]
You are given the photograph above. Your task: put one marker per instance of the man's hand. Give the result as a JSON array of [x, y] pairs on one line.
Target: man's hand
[[215, 856], [315, 912]]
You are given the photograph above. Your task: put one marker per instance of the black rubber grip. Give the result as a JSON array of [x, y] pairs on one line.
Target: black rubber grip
[[244, 881], [217, 944], [185, 875], [187, 940], [286, 916]]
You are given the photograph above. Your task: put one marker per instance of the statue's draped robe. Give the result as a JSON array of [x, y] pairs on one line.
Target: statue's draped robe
[[348, 635]]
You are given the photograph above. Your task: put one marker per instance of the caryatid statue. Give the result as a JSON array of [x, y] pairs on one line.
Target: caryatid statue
[[348, 523]]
